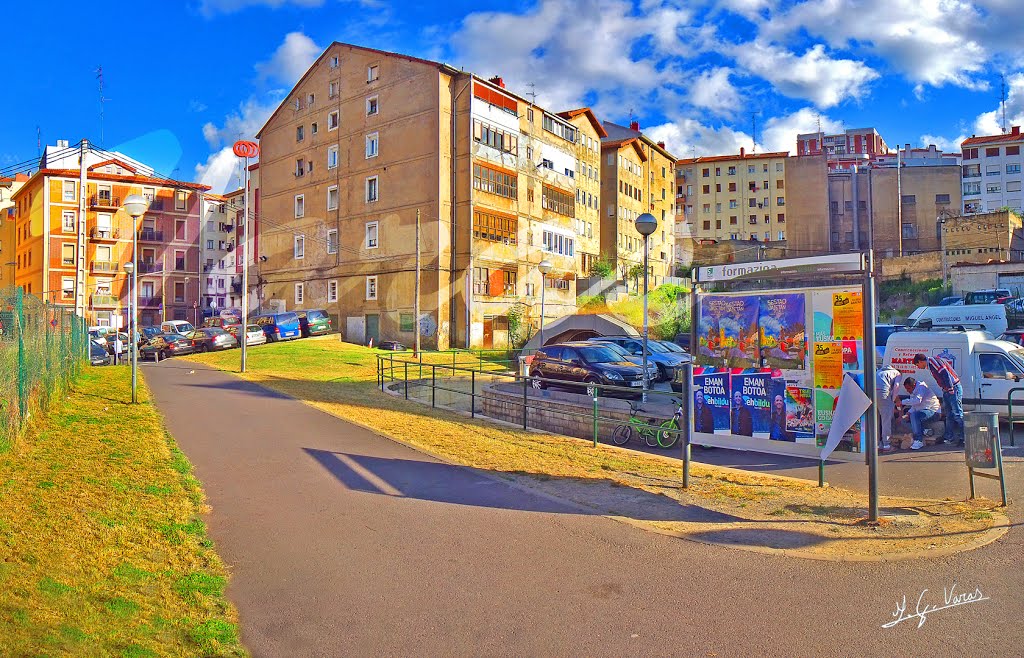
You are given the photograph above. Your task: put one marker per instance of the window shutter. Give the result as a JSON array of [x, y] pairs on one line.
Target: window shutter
[[477, 131], [496, 283]]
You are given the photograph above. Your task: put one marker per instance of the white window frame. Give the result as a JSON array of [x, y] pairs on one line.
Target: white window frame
[[300, 293], [300, 206], [65, 288], [63, 221], [299, 247], [335, 61], [332, 291], [372, 73], [332, 150], [74, 191], [332, 189], [373, 106], [372, 145], [332, 241], [371, 280], [335, 118], [373, 243], [376, 188], [332, 90]]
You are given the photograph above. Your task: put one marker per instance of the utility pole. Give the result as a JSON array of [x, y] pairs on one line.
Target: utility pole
[[245, 259], [899, 200], [1002, 99], [80, 277], [416, 308]]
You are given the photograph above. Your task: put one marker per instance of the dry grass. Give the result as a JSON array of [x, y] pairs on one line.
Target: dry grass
[[103, 549], [340, 378]]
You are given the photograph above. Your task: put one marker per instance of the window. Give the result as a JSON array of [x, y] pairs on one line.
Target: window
[[300, 292], [781, 218], [67, 221], [509, 280], [299, 247], [993, 188], [69, 190], [371, 235], [371, 145], [481, 277], [67, 254], [733, 220], [209, 244], [300, 205], [558, 284], [494, 181], [371, 287], [332, 121], [558, 201], [332, 156], [299, 133], [751, 169], [310, 99], [179, 292], [909, 199], [1013, 186], [313, 128], [1013, 168], [180, 196], [332, 291], [556, 127], [495, 137], [992, 152], [372, 75], [778, 166], [941, 198], [992, 170], [372, 191], [332, 197], [300, 167], [332, 90], [557, 243], [495, 228], [179, 260], [1013, 150], [372, 106], [332, 241], [780, 201], [406, 323], [334, 61]]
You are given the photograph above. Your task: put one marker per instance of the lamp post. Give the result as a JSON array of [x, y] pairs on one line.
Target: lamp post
[[129, 269], [135, 205], [544, 267], [645, 225]]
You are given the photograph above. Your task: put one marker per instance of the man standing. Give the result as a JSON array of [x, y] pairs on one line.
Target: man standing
[[118, 348], [703, 420], [742, 421], [923, 407], [888, 391], [952, 395]]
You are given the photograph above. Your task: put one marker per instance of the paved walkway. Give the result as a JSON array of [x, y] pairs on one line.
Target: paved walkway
[[342, 542]]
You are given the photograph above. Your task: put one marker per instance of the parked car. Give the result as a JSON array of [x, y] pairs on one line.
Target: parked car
[[164, 346], [253, 335], [587, 362], [227, 324], [314, 322], [656, 353], [279, 326], [147, 334], [988, 296], [98, 353], [392, 345], [211, 339], [109, 338], [652, 368], [951, 301], [683, 341], [176, 327], [1015, 336]]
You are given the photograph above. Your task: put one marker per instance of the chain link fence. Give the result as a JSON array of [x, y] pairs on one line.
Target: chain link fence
[[42, 349]]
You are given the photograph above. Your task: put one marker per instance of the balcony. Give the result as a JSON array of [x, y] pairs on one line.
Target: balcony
[[105, 201], [972, 174], [104, 234], [149, 301], [104, 266], [150, 267], [157, 204], [104, 300], [151, 235]]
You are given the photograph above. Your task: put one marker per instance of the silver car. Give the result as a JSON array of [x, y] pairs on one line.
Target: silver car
[[254, 335]]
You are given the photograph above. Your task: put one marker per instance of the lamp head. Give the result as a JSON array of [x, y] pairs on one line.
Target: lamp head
[[545, 266], [135, 205], [129, 267], [646, 224]]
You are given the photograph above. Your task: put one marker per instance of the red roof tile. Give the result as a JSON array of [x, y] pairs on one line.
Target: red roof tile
[[995, 139]]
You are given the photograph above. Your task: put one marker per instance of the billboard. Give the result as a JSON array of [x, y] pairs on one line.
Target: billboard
[[727, 331], [711, 401]]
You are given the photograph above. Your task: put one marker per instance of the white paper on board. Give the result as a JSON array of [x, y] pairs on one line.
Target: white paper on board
[[850, 406]]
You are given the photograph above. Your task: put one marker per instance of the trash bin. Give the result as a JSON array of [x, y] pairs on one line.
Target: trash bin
[[981, 439]]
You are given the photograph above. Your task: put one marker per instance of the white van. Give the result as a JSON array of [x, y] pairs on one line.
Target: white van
[[176, 327], [990, 317], [988, 368]]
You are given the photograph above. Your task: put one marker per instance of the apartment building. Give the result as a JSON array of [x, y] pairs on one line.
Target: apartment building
[[73, 237], [856, 147], [636, 177], [983, 237], [367, 145], [992, 172], [9, 186], [732, 197], [588, 186], [218, 251]]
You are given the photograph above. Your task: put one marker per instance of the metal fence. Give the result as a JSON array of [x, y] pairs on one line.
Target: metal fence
[[42, 349]]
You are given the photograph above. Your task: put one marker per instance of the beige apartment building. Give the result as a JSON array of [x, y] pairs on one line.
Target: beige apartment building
[[367, 144], [636, 178], [981, 237]]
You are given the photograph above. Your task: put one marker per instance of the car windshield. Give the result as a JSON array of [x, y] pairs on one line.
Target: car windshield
[[670, 347], [1017, 356], [170, 338], [655, 346], [618, 349], [253, 328], [215, 331], [599, 354]]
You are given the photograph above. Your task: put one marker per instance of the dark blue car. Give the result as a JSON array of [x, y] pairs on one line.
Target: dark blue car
[[278, 326]]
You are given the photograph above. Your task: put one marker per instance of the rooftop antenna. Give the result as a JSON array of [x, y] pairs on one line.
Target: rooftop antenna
[[103, 99], [753, 137], [1002, 98], [39, 142], [818, 115], [533, 92]]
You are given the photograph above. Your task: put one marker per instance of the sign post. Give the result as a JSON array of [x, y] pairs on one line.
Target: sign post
[[245, 150], [983, 448]]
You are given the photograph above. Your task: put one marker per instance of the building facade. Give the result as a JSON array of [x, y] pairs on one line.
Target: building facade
[[369, 145], [992, 172], [73, 237], [807, 206], [983, 237], [9, 186], [856, 147]]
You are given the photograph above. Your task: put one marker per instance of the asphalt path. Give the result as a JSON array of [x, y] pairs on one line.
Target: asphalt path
[[342, 542]]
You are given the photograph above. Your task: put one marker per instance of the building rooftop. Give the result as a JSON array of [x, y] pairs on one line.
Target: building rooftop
[[742, 155], [1013, 136]]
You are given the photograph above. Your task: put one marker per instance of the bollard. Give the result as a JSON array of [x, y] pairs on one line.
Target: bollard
[[406, 381], [526, 384], [433, 385], [597, 393], [472, 394], [821, 473]]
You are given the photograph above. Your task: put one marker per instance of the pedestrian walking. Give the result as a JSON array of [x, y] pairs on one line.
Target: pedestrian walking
[[888, 393], [923, 406], [952, 395], [118, 349]]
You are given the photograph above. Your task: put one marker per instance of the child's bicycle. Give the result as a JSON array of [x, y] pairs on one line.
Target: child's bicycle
[[665, 436]]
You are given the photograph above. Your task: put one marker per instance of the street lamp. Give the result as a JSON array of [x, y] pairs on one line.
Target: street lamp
[[645, 225], [544, 266], [129, 269], [135, 205]]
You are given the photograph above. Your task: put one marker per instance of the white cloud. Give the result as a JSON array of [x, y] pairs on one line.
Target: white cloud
[[220, 171], [291, 59], [988, 123], [942, 143], [687, 137], [243, 124], [780, 132], [712, 90], [813, 76], [210, 8]]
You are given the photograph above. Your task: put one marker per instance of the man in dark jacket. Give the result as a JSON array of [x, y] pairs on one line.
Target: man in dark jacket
[[742, 420], [703, 420]]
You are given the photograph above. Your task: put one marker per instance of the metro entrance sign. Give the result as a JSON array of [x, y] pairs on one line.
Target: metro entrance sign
[[814, 265]]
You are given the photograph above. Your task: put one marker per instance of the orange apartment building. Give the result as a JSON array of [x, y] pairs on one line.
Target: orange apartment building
[[9, 186], [73, 238]]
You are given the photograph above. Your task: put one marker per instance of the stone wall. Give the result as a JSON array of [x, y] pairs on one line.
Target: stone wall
[[917, 267]]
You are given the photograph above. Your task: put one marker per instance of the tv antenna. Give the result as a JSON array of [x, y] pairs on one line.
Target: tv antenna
[[103, 99], [39, 142], [753, 130], [818, 116], [533, 92], [1002, 98]]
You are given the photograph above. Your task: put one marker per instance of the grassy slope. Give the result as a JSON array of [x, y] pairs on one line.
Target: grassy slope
[[103, 551]]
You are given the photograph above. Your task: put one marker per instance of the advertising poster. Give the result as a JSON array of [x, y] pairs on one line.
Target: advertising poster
[[853, 355], [824, 406], [828, 365], [758, 406], [727, 332], [847, 316], [781, 320], [800, 413], [711, 402]]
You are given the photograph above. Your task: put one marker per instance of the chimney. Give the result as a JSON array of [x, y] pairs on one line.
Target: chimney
[[1015, 130], [496, 80], [634, 125], [661, 145], [742, 151]]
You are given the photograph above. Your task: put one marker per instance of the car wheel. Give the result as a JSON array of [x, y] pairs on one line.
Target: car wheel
[[536, 383]]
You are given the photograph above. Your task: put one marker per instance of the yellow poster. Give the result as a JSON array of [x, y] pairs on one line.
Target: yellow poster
[[847, 316], [828, 365]]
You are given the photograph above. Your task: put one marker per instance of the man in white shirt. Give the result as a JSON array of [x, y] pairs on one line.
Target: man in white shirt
[[886, 386], [924, 405], [118, 349]]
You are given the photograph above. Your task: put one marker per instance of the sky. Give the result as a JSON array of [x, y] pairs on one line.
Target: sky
[[182, 80]]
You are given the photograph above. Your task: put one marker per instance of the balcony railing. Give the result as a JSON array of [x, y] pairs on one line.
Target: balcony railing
[[149, 301], [101, 201], [149, 267], [157, 204], [151, 235], [104, 300], [104, 266], [98, 233]]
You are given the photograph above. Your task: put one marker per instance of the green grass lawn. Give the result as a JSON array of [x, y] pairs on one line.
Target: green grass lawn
[[103, 549]]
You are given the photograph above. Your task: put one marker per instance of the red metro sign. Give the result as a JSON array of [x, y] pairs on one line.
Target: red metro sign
[[246, 149]]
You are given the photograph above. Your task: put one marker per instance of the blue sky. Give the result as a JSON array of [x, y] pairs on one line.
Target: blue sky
[[198, 73]]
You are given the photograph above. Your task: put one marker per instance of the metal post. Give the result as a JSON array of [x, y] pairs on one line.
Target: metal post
[[999, 465], [406, 380], [543, 285], [19, 305], [597, 392], [245, 263], [970, 477], [647, 383], [526, 385], [821, 473], [871, 418], [134, 307], [472, 394], [687, 424], [433, 385], [416, 311]]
